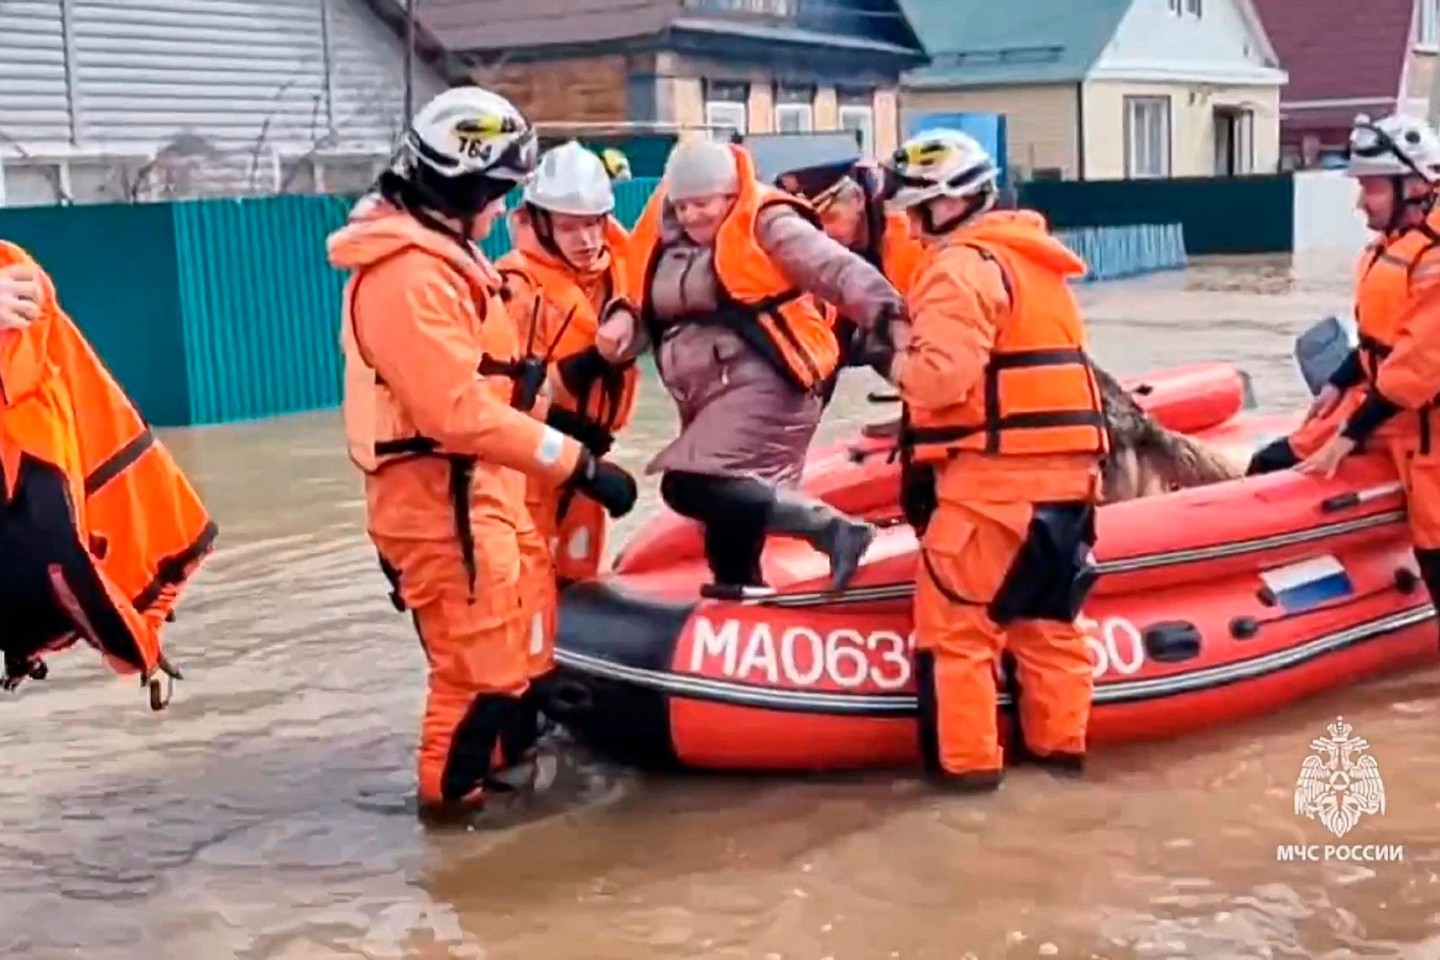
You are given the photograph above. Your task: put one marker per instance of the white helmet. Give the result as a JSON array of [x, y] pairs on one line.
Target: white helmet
[[470, 130], [938, 163], [571, 179], [1394, 146]]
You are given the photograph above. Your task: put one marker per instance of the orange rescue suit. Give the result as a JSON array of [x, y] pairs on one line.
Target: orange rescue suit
[[430, 359], [792, 329], [99, 528], [1397, 309], [558, 311], [899, 252], [1000, 401], [1388, 275]]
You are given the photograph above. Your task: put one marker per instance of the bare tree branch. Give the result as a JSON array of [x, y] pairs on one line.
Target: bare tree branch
[[265, 126], [57, 183]]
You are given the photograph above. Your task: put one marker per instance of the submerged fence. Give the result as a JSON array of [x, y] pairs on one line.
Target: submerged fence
[[221, 310]]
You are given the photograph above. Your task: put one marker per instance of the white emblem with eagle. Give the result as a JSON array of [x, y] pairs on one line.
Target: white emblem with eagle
[[1340, 782]]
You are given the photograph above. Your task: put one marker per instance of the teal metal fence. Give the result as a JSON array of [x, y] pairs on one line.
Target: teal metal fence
[[1221, 215], [1116, 252], [222, 310]]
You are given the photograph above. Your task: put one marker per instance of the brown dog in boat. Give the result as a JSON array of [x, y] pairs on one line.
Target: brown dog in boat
[[1147, 459]]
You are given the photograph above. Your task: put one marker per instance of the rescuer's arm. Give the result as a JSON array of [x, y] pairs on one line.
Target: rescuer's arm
[[813, 262], [410, 319], [1409, 377], [957, 303]]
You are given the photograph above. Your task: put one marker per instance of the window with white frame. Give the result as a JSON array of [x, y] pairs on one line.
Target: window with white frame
[[1426, 33], [1147, 137], [794, 108], [794, 118], [723, 113], [725, 107]]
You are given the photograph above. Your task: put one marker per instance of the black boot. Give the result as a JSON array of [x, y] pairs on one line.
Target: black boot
[[1429, 563], [826, 529]]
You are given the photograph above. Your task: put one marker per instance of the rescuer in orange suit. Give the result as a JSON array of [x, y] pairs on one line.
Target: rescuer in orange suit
[[1004, 423], [567, 269], [99, 528], [440, 416], [848, 198], [1387, 390]]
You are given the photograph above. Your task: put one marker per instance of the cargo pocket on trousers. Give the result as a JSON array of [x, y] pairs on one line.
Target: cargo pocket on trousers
[[949, 561]]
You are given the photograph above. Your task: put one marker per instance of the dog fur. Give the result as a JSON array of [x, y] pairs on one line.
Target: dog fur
[[1146, 459]]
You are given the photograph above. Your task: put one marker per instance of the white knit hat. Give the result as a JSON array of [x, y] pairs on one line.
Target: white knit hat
[[700, 168]]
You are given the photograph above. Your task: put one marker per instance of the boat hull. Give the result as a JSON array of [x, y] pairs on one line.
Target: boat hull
[[1213, 605]]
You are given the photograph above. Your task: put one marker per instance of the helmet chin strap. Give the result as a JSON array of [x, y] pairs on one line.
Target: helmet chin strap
[[1402, 205], [545, 233], [975, 206]]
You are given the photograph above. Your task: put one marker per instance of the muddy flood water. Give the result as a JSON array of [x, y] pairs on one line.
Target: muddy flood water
[[268, 815]]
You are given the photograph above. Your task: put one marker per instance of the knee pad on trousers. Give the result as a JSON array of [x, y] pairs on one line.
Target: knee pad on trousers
[[474, 747], [1429, 564], [1054, 571], [927, 697], [522, 729], [928, 705], [1274, 456]]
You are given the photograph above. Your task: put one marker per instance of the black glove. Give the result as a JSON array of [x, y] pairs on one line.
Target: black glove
[[595, 437], [578, 372], [917, 495], [605, 483], [876, 348]]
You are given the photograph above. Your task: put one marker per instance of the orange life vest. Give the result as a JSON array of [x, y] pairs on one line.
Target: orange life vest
[[379, 432], [609, 402], [1039, 395], [791, 328], [99, 528], [1382, 288]]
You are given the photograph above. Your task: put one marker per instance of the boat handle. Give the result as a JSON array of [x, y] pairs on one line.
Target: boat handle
[[1354, 498]]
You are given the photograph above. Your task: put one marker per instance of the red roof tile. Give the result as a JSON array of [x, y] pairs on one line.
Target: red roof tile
[[1339, 49]]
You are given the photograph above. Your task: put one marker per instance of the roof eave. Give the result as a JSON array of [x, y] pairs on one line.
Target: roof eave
[[955, 82], [797, 37]]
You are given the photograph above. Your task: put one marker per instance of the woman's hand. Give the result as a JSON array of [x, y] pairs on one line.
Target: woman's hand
[[1325, 402], [1325, 461], [19, 297], [616, 334]]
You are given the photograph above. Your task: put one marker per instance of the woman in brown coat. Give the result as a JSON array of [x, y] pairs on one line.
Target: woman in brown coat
[[740, 290]]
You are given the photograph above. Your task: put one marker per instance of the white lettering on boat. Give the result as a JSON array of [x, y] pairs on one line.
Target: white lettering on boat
[[1117, 647], [799, 656]]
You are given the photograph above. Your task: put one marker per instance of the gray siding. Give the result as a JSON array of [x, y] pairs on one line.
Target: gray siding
[[34, 106], [367, 76], [231, 72]]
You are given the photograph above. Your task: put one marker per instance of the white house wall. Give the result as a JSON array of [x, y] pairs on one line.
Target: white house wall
[[367, 76], [34, 104], [1155, 44], [293, 74]]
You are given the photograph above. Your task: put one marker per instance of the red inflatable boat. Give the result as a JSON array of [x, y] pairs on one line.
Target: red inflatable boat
[[1213, 604]]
